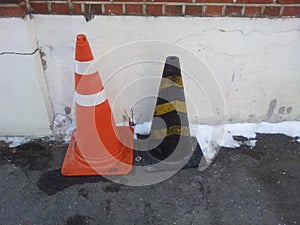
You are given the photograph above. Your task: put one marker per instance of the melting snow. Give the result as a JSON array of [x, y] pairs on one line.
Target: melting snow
[[15, 141], [63, 128], [210, 137]]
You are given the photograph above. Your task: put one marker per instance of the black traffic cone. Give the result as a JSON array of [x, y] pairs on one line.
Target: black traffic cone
[[170, 145]]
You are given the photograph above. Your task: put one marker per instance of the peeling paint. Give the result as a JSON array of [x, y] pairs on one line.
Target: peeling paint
[[281, 110], [272, 107], [289, 110], [67, 110], [43, 59]]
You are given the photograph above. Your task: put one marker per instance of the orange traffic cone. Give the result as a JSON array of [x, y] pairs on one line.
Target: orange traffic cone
[[97, 146]]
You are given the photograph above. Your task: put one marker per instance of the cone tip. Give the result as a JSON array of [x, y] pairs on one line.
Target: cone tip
[[173, 61], [172, 58], [172, 66], [83, 51], [81, 38]]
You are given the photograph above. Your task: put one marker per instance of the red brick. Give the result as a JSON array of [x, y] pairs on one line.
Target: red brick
[[134, 9], [113, 9], [193, 10], [77, 9], [233, 11], [215, 1], [12, 11], [9, 2], [213, 11], [40, 8], [60, 8], [252, 11], [94, 9], [185, 1], [173, 10], [291, 11], [255, 1], [93, 0], [154, 10], [38, 1], [272, 11], [289, 1], [127, 0]]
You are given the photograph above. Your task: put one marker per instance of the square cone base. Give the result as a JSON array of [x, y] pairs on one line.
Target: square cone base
[[152, 164], [75, 165]]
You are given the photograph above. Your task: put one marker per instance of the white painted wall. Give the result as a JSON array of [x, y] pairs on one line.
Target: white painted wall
[[234, 69], [24, 99]]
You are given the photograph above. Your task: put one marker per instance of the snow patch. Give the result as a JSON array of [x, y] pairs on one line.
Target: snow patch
[[142, 129], [63, 128], [212, 137], [15, 141]]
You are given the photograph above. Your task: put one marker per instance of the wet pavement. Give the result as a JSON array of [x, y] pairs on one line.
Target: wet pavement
[[259, 185]]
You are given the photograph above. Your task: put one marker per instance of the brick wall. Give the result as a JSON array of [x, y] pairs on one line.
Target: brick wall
[[233, 8]]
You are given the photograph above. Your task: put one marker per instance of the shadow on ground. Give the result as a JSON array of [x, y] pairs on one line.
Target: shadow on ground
[[243, 186]]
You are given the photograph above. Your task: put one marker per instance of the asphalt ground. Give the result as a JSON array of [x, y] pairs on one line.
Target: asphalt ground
[[254, 186]]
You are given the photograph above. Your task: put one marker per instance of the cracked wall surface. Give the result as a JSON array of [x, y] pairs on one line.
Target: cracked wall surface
[[234, 70], [19, 53], [25, 104]]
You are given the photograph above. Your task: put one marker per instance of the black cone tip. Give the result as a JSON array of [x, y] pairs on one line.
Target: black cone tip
[[172, 66]]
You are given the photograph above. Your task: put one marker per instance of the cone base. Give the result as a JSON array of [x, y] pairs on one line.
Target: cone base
[[75, 165], [152, 164]]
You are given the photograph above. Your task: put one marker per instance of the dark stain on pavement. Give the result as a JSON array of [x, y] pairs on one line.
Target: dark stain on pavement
[[79, 220], [247, 185], [150, 215], [83, 192], [107, 208], [52, 181], [30, 156], [114, 187], [254, 154]]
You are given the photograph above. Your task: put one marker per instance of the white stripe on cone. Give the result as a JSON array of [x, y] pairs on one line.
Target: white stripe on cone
[[90, 100], [85, 68]]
